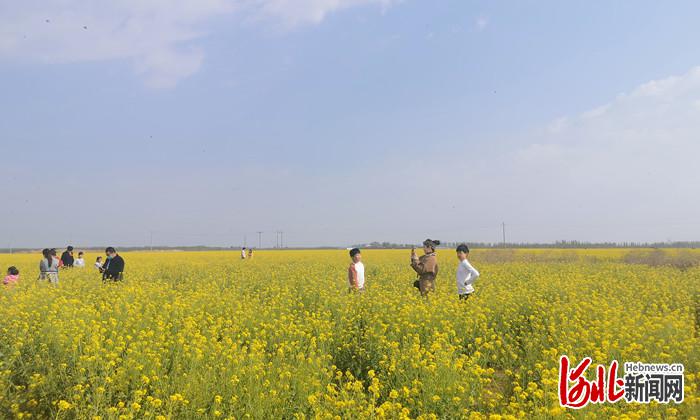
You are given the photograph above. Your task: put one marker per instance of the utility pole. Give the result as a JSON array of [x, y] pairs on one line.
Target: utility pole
[[260, 239], [503, 226], [279, 239], [151, 232]]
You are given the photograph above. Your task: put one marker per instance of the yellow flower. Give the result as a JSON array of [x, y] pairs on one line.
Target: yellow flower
[[64, 405], [177, 398], [279, 332], [555, 411]]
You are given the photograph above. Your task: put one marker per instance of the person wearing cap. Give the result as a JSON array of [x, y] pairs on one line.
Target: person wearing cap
[[426, 266]]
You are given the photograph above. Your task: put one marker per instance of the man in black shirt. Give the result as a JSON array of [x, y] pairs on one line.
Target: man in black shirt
[[67, 257], [113, 268]]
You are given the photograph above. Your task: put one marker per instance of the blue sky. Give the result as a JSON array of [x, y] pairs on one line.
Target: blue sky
[[347, 121]]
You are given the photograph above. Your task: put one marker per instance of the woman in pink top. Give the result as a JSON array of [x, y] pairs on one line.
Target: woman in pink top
[[12, 276]]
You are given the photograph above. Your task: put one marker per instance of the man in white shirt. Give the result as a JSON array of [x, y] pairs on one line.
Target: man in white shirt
[[466, 274], [80, 261], [243, 256], [356, 271]]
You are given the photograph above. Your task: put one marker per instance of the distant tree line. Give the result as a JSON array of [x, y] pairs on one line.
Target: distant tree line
[[384, 245], [557, 244], [392, 245]]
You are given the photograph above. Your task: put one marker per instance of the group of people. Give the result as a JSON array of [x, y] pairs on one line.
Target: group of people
[[67, 259], [50, 265], [243, 253], [426, 266], [112, 269]]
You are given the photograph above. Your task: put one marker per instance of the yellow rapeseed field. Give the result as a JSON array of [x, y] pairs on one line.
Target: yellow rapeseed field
[[206, 335]]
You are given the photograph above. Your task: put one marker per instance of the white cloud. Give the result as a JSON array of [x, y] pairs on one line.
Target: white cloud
[[622, 171], [595, 112], [158, 36], [164, 68], [631, 159], [295, 12]]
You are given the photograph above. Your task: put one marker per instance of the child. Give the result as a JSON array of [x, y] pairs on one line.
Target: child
[[466, 274], [12, 276], [98, 264], [80, 261], [250, 254], [356, 271]]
